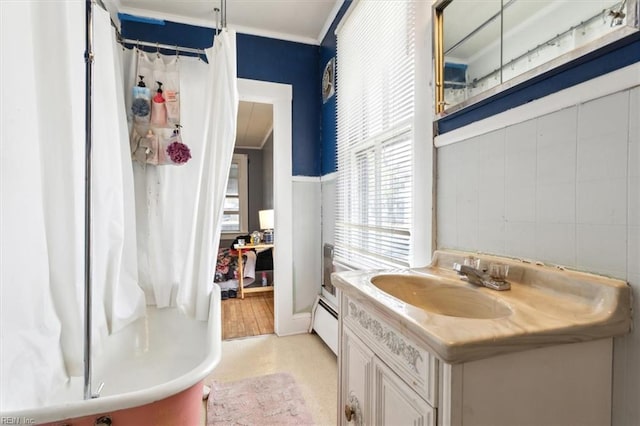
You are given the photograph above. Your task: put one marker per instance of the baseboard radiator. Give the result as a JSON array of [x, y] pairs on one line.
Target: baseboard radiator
[[324, 315], [325, 322]]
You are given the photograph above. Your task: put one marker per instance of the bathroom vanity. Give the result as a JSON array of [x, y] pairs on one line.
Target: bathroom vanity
[[424, 347]]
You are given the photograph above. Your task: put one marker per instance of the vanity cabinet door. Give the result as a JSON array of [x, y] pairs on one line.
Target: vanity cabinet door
[[357, 374], [395, 403]]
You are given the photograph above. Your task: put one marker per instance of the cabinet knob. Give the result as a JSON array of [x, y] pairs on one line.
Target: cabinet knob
[[349, 412], [352, 410]]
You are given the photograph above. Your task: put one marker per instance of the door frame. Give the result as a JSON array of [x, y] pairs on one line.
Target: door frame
[[280, 96]]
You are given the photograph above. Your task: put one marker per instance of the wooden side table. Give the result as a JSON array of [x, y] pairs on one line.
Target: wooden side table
[[240, 249]]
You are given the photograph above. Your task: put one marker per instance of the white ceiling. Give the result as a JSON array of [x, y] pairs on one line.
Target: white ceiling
[[304, 21], [255, 123]]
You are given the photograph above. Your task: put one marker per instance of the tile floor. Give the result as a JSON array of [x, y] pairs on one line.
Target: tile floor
[[305, 356]]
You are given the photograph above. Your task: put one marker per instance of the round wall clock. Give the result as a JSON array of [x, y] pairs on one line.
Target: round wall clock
[[328, 80]]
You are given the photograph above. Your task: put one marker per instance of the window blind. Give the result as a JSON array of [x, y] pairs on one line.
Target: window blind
[[375, 107]]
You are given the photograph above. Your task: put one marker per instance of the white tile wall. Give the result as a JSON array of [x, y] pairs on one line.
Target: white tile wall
[[634, 157], [556, 148], [564, 190], [520, 202], [603, 116], [520, 172], [467, 220], [520, 240], [447, 172], [446, 210], [602, 201], [633, 252], [634, 134], [467, 195], [520, 153], [602, 249], [556, 189], [491, 236], [491, 172], [596, 163], [556, 243], [556, 202]]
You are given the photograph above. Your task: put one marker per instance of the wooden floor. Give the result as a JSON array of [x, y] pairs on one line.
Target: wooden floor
[[252, 316]]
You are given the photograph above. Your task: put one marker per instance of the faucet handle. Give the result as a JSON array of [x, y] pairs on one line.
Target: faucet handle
[[474, 262], [498, 271], [498, 274]]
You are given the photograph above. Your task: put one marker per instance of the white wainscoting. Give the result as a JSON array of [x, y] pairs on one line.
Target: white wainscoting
[[562, 188]]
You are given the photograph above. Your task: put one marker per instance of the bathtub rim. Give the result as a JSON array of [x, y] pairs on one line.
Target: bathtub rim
[[82, 408]]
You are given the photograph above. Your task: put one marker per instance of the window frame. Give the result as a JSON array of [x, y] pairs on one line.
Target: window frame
[[361, 219], [242, 160]]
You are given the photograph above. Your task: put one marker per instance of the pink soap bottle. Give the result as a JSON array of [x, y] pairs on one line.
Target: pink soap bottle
[[158, 108]]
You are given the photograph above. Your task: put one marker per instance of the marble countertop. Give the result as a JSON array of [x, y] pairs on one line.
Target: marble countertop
[[548, 306]]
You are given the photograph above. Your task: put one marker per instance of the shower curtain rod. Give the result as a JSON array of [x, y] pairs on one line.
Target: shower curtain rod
[[549, 42], [159, 46]]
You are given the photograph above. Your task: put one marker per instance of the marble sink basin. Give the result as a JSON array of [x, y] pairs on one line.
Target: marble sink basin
[[460, 322], [442, 299]]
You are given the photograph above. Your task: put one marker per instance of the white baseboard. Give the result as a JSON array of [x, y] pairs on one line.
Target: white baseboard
[[297, 324]]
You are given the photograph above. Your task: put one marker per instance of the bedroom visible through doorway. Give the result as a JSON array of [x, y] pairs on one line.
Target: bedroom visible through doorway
[[248, 300]]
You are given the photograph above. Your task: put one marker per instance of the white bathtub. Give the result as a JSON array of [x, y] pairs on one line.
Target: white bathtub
[[152, 364]]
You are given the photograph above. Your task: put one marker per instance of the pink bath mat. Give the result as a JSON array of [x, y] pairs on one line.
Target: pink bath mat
[[274, 399]]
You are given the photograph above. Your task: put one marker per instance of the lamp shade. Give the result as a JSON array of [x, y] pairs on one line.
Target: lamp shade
[[266, 219]]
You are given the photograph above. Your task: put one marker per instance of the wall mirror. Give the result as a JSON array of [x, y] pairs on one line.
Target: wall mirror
[[484, 47]]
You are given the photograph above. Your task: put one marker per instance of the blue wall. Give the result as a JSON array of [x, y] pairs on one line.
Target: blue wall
[[264, 59], [279, 61]]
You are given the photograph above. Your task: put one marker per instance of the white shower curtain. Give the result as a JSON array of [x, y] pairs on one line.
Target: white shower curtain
[[179, 208], [42, 198], [221, 112]]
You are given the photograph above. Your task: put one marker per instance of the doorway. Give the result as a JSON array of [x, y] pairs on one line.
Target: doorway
[[279, 96], [249, 312]]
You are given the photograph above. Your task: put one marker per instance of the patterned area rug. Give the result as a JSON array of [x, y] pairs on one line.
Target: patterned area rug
[[274, 399]]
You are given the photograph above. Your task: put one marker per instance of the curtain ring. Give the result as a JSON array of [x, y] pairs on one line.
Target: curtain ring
[[217, 12]]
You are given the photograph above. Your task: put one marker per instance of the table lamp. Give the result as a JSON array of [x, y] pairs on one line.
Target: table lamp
[[266, 224]]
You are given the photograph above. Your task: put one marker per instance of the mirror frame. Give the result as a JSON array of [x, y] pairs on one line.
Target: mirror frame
[[631, 26]]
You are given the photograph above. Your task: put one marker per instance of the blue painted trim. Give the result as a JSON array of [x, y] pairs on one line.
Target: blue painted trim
[[610, 58]]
